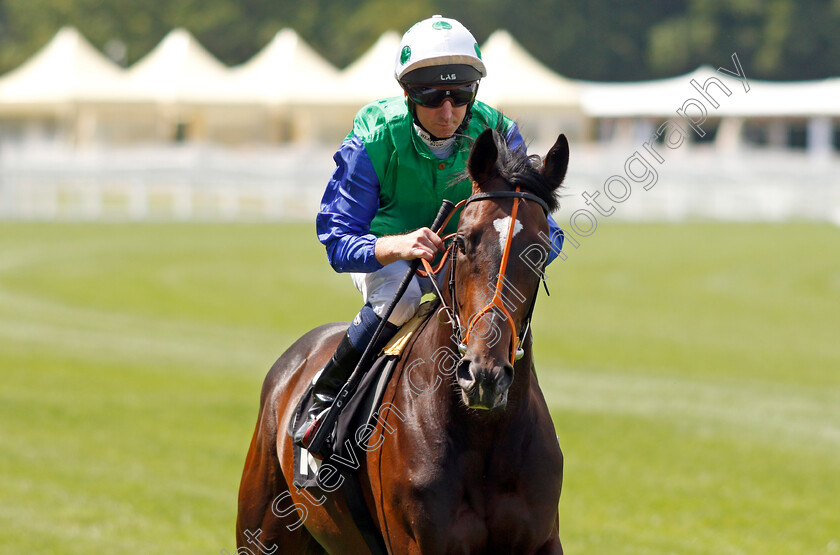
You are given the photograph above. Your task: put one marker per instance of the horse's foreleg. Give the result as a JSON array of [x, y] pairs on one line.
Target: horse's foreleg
[[264, 504], [553, 547]]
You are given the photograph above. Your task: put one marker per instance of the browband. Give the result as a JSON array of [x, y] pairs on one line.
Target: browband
[[509, 194]]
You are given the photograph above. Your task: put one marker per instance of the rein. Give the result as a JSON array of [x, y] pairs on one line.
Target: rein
[[497, 301]]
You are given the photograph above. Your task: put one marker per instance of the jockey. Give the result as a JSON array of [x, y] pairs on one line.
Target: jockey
[[393, 172]]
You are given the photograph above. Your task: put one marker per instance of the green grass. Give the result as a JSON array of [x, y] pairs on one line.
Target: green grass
[[693, 373]]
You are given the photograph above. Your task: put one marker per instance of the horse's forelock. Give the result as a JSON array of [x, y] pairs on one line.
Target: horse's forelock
[[522, 170], [518, 169]]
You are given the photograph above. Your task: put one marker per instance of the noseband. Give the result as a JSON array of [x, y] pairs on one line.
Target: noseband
[[497, 300]]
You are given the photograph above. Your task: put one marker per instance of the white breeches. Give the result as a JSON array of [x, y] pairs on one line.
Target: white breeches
[[378, 288]]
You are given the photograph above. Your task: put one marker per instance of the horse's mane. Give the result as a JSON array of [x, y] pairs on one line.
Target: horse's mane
[[521, 170]]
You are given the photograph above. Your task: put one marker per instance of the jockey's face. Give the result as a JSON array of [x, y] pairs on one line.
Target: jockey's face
[[444, 120]]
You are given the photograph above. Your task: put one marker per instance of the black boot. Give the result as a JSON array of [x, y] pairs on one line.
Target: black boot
[[326, 386]]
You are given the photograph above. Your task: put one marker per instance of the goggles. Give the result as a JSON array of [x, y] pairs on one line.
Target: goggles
[[432, 98]]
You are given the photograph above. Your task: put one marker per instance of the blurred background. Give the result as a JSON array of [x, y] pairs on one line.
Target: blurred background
[[231, 110], [161, 164]]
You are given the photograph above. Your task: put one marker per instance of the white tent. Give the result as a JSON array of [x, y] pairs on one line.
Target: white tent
[[69, 92], [792, 99], [515, 78], [634, 107], [658, 98], [196, 96], [542, 102], [287, 70], [662, 97], [372, 76], [180, 70], [68, 69], [297, 88]]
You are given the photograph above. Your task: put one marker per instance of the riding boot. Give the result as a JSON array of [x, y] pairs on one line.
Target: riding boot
[[325, 387], [328, 382]]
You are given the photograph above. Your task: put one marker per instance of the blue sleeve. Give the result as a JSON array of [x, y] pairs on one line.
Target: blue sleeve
[[556, 235], [514, 138], [347, 208], [515, 141]]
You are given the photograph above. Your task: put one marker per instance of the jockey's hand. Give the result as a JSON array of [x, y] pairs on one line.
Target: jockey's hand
[[420, 243]]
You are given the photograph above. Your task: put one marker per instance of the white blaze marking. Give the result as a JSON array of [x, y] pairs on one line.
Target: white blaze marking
[[502, 225]]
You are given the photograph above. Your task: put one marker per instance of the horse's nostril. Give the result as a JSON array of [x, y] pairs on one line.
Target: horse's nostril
[[464, 372], [506, 378]]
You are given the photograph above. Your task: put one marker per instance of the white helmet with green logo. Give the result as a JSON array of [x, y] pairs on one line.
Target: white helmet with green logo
[[438, 51]]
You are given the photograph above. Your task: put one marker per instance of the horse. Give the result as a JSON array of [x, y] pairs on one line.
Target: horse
[[465, 459]]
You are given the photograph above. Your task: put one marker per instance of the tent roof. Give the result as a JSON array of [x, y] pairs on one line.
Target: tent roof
[[515, 78], [777, 99], [372, 75], [180, 70], [67, 69], [287, 70], [661, 98]]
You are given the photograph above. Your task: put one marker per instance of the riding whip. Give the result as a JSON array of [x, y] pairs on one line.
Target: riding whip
[[325, 428]]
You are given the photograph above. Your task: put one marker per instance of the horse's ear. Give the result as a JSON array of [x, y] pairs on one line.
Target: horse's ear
[[556, 161], [483, 156]]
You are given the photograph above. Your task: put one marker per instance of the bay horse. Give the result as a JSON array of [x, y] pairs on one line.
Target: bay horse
[[466, 459]]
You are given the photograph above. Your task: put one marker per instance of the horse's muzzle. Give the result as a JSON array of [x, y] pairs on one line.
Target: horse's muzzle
[[482, 386]]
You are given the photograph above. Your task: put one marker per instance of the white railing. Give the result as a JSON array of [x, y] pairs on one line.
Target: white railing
[[163, 183], [701, 183], [212, 183]]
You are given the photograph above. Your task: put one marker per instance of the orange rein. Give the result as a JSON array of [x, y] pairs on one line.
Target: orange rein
[[428, 267]]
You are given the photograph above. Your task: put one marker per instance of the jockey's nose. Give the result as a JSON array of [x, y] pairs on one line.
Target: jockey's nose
[[447, 106]]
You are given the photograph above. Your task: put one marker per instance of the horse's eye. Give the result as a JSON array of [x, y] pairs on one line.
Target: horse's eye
[[460, 244]]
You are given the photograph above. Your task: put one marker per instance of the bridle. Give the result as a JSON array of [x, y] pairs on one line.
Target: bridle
[[497, 301]]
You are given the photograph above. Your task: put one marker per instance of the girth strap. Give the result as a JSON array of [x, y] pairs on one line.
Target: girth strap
[[355, 499]]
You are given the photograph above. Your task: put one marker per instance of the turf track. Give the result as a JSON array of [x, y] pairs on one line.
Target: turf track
[[693, 373]]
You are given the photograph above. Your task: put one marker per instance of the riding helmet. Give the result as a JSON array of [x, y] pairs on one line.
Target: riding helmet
[[438, 51]]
